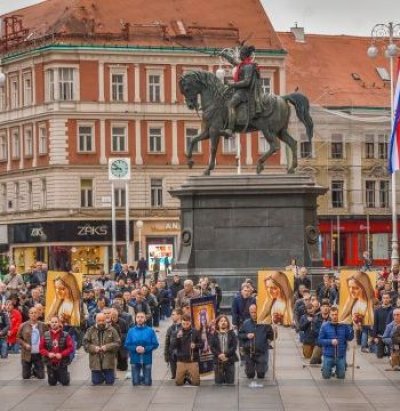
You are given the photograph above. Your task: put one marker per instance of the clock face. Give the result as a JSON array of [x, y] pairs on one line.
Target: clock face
[[119, 168]]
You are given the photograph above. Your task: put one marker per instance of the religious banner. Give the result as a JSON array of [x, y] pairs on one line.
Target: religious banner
[[63, 296], [357, 297], [203, 318], [275, 297]]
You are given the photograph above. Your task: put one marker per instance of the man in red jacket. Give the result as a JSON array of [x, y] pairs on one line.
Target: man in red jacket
[[56, 346]]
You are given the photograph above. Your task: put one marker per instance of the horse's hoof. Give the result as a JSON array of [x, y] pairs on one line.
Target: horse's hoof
[[206, 173], [190, 164], [260, 168], [291, 170]]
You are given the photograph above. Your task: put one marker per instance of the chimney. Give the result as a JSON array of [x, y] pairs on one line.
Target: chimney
[[298, 33]]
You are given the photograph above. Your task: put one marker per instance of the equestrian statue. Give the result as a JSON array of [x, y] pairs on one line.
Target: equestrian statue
[[241, 107]]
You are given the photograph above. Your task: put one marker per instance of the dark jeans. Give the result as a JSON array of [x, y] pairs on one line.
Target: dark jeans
[[58, 374], [156, 316], [100, 376], [172, 366], [142, 274], [3, 348], [257, 363], [224, 373], [35, 366], [141, 374], [381, 348], [329, 363]]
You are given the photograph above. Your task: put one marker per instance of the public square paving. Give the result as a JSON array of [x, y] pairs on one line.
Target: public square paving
[[297, 388]]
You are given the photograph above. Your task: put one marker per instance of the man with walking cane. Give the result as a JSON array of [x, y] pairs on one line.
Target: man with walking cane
[[333, 337]]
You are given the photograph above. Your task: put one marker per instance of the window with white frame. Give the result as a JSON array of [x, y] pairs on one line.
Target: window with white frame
[[27, 81], [28, 142], [384, 194], [43, 139], [263, 145], [118, 86], [43, 193], [156, 140], [155, 87], [337, 192], [3, 104], [156, 192], [383, 146], [305, 147], [119, 138], [3, 147], [15, 144], [370, 193], [86, 193], [369, 146], [337, 147], [3, 192], [265, 83], [14, 92], [120, 197], [29, 200], [85, 138], [230, 145], [51, 85], [190, 133], [66, 83], [16, 196], [61, 84]]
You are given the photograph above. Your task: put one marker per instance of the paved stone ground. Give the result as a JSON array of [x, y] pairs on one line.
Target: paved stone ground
[[297, 388]]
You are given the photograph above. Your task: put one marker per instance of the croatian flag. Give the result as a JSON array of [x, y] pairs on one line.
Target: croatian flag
[[394, 149]]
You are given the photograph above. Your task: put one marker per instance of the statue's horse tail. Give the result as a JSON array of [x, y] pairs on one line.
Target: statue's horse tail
[[302, 106]]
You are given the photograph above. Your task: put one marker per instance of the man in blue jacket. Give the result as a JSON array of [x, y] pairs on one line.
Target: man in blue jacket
[[140, 342], [333, 338]]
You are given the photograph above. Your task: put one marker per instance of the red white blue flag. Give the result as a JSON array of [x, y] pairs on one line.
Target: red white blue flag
[[394, 149]]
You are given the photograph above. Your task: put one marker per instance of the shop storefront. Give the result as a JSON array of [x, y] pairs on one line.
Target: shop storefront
[[84, 245], [345, 240], [160, 240]]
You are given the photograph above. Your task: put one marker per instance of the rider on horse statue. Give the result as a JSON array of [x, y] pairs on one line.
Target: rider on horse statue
[[246, 83]]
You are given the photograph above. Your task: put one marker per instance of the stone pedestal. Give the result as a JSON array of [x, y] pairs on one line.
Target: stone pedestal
[[235, 225]]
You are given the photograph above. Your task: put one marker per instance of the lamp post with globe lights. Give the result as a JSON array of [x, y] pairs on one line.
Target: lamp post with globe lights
[[388, 36]]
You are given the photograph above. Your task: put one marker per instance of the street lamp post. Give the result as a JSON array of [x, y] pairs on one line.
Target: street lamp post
[[388, 34], [139, 226]]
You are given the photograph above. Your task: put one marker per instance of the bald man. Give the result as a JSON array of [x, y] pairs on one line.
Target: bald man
[[102, 342]]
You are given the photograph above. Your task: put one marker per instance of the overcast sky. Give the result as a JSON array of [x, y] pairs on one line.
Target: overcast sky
[[316, 16]]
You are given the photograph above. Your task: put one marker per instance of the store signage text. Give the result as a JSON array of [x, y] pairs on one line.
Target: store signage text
[[37, 232], [91, 230]]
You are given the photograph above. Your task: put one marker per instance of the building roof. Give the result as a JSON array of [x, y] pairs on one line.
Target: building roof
[[335, 71], [167, 23]]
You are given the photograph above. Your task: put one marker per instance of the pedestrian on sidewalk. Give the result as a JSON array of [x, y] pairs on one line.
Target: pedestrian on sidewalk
[[56, 347], [140, 342], [333, 337], [102, 342]]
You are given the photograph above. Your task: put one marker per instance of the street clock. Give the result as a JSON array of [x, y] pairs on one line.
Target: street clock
[[119, 169]]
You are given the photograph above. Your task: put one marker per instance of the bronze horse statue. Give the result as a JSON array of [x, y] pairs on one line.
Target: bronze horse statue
[[272, 121]]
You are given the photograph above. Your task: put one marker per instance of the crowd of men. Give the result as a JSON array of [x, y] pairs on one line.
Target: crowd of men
[[325, 340], [120, 317]]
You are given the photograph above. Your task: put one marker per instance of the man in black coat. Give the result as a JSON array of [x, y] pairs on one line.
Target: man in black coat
[[174, 288], [223, 344], [382, 317], [187, 344], [255, 339]]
